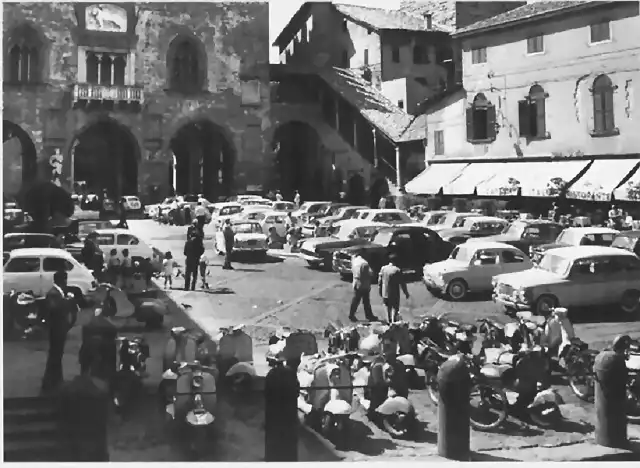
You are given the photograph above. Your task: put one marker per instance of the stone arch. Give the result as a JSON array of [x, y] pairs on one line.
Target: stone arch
[[25, 54], [106, 155], [19, 157], [297, 147], [204, 158], [356, 190], [186, 64]]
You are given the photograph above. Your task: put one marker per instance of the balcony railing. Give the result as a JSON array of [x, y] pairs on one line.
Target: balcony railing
[[94, 92]]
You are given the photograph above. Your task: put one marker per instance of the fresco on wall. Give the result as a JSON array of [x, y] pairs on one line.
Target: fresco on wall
[[104, 17]]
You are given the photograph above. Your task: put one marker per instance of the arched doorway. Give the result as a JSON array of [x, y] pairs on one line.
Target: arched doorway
[[356, 194], [379, 189], [297, 146], [19, 158], [203, 160], [105, 156]]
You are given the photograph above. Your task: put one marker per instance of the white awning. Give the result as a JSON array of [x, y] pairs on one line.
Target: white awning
[[532, 179], [434, 178], [630, 190], [601, 179], [472, 176]]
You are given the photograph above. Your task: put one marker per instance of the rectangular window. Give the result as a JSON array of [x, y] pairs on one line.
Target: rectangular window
[[535, 44], [395, 54], [438, 142], [401, 104], [479, 55], [366, 56], [532, 118], [600, 32]]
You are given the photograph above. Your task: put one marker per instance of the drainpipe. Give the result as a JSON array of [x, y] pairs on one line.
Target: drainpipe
[[398, 179]]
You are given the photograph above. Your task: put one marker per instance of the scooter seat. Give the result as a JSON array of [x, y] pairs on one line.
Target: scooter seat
[[494, 371]]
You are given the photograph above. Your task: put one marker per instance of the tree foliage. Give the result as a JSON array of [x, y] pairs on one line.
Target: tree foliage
[[44, 200]]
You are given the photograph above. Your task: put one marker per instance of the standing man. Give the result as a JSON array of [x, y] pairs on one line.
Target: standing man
[[279, 196], [362, 276], [193, 250], [297, 200], [229, 239], [382, 204], [123, 215], [391, 281], [62, 315], [201, 214]]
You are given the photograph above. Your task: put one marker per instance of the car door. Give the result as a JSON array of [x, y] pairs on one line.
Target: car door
[[423, 248], [23, 274], [484, 265], [404, 250], [105, 241], [49, 266], [585, 284], [630, 272], [513, 261]]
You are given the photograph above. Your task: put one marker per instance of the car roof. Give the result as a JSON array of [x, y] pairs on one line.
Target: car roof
[[25, 234], [41, 252], [465, 213], [590, 251], [384, 210], [488, 218], [274, 213], [477, 245], [593, 230], [632, 234], [113, 231], [244, 221], [362, 222], [225, 204]]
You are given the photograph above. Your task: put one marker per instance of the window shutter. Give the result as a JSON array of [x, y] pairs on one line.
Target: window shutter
[[470, 133], [609, 123], [491, 122], [24, 64], [524, 110], [598, 120], [33, 65], [540, 118]]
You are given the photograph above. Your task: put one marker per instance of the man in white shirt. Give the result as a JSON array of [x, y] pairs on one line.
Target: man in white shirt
[[201, 214], [362, 276]]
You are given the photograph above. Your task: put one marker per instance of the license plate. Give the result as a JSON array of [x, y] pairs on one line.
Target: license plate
[[252, 242]]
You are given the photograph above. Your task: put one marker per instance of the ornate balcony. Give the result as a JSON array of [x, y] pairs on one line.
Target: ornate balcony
[[93, 92]]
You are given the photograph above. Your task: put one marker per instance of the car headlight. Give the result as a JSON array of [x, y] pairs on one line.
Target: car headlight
[[522, 295]]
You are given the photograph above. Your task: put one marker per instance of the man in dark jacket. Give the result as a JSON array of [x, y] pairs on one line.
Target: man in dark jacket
[[193, 250], [229, 239], [62, 316]]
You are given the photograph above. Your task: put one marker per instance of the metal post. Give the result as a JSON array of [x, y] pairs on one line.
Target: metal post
[[454, 409], [610, 400], [375, 148]]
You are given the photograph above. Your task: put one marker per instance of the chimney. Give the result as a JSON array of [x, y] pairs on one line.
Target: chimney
[[427, 21]]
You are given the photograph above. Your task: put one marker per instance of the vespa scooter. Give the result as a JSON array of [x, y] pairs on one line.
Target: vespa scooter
[[235, 358], [132, 369]]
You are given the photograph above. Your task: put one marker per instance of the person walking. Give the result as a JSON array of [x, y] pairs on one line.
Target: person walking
[[391, 281], [193, 250], [62, 315], [203, 264], [297, 200], [229, 239], [362, 276], [123, 215], [168, 265], [195, 230]]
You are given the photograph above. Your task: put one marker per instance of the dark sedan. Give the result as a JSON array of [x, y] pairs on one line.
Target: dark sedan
[[414, 245], [526, 235], [628, 240], [475, 226]]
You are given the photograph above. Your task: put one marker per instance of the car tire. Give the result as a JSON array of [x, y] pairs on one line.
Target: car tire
[[630, 302], [544, 304], [457, 289]]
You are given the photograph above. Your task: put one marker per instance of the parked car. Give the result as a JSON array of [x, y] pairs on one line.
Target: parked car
[[452, 220], [414, 245], [526, 234], [628, 240], [326, 213], [249, 238], [14, 218], [32, 269], [471, 266], [132, 205], [256, 202], [308, 209], [27, 240], [239, 198], [285, 206], [472, 227], [87, 227], [575, 236], [574, 277], [387, 216], [327, 223], [120, 239], [432, 218], [222, 212], [318, 251]]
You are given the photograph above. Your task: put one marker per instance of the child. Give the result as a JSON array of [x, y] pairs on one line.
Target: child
[[168, 264], [202, 264], [113, 265], [126, 268]]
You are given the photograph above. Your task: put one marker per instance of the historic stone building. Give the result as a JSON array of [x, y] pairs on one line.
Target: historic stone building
[[136, 98]]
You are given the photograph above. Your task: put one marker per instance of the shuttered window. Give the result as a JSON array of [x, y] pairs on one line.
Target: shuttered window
[[479, 55], [535, 44], [603, 111], [600, 32], [481, 120], [532, 114], [438, 142]]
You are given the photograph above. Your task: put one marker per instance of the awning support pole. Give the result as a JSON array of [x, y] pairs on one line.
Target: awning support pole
[[398, 178], [375, 148]]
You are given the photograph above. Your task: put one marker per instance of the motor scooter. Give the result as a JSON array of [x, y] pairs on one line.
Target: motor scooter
[[287, 346], [185, 345], [235, 357], [191, 403], [132, 369]]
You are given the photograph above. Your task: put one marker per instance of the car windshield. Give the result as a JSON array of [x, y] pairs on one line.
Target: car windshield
[[230, 210], [515, 229], [435, 218], [383, 237], [461, 253], [625, 242], [247, 228], [316, 208], [554, 264]]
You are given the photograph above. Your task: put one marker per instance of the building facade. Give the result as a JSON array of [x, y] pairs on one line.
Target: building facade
[[137, 98], [553, 81]]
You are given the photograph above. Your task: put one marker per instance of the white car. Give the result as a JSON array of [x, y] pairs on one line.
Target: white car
[[250, 213], [33, 269], [132, 203], [256, 202], [387, 216], [223, 211], [120, 239], [471, 267], [302, 214], [276, 219], [286, 206], [248, 238]]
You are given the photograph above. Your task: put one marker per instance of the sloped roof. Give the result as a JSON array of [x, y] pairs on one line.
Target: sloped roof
[[373, 105], [379, 18], [526, 12]]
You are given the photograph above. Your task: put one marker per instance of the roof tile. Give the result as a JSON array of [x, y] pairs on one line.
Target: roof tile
[[379, 18]]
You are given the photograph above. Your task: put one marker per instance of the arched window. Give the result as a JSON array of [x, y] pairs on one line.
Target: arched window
[[420, 55], [186, 65], [25, 49], [532, 114], [603, 116], [481, 120]]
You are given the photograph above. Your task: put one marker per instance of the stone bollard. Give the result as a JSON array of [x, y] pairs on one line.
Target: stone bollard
[[610, 400], [454, 408], [281, 415]]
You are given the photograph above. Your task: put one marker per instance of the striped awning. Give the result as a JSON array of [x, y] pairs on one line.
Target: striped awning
[[601, 179], [472, 176], [434, 178], [629, 190]]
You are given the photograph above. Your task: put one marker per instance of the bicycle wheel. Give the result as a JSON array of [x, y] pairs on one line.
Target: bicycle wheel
[[491, 407]]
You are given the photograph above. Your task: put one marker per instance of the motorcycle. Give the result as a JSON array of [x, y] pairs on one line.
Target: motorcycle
[[191, 403], [235, 357], [186, 345], [132, 369], [632, 356]]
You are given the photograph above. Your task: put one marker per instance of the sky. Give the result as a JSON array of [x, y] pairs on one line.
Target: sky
[[281, 11]]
